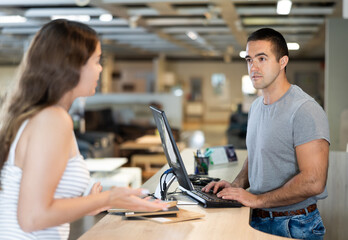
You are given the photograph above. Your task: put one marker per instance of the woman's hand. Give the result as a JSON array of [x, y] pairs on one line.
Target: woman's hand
[[128, 198], [97, 188]]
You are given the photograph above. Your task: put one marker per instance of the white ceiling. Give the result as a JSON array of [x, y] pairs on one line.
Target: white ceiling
[[146, 28]]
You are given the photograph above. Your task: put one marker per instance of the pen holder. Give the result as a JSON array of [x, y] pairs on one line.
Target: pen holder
[[201, 165]]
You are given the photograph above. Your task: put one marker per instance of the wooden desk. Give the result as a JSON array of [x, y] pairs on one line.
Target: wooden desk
[[218, 223]]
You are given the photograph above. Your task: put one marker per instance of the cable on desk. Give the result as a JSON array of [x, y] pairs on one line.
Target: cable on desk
[[163, 186]]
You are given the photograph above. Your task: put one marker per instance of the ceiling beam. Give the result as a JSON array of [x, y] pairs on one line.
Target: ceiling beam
[[184, 21], [48, 12], [36, 2], [282, 20], [266, 11], [164, 8], [232, 20], [153, 1], [319, 36], [121, 12]]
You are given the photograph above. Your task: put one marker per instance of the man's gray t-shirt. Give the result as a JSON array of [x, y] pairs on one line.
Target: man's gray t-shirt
[[273, 133]]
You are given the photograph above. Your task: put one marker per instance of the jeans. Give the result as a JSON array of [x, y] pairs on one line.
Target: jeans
[[307, 226]]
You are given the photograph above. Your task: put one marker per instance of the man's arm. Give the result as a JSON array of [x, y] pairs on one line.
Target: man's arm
[[242, 180], [312, 158]]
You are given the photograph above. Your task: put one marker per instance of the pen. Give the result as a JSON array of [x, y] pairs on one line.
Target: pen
[[199, 153], [208, 152]]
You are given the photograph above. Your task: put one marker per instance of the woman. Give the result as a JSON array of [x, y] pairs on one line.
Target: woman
[[42, 173]]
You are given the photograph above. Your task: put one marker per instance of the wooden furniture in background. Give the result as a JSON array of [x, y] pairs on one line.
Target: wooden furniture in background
[[151, 163], [151, 157]]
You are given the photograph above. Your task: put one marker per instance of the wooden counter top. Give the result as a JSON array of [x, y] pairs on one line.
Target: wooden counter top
[[218, 223]]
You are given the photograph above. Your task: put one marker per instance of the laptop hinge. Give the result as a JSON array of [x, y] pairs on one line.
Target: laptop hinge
[[192, 195]]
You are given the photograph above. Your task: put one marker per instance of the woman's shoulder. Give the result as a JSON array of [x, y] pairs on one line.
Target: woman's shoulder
[[52, 116]]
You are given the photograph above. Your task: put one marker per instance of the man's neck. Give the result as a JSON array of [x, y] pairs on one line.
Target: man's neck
[[274, 92]]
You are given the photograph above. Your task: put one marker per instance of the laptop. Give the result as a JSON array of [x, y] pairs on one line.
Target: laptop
[[175, 162]]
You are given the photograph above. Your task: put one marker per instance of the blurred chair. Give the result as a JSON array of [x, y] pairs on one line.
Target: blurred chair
[[236, 132], [96, 144]]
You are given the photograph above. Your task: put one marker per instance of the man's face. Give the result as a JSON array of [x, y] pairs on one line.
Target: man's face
[[263, 67]]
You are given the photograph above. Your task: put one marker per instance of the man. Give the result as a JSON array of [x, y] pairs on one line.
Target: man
[[288, 148]]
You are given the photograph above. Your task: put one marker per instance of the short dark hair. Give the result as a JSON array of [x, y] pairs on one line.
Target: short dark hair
[[279, 44]]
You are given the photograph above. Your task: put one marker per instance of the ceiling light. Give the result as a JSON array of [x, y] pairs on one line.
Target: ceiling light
[[12, 19], [293, 46], [82, 3], [106, 17], [284, 7], [177, 91], [79, 18], [192, 35], [242, 54]]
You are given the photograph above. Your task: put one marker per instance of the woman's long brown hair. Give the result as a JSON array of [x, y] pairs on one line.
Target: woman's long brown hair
[[50, 68]]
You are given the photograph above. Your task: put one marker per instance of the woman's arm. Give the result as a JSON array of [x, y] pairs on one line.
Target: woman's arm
[[47, 150]]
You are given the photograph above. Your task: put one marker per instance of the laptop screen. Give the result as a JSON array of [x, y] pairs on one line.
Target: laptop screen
[[170, 148]]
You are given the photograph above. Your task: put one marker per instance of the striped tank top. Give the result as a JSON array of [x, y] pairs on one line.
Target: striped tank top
[[73, 183]]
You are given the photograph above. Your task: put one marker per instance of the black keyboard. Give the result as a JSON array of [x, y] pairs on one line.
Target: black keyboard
[[199, 180], [212, 201]]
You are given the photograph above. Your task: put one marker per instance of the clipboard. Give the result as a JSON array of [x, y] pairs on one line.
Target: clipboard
[[172, 215], [171, 211], [170, 204]]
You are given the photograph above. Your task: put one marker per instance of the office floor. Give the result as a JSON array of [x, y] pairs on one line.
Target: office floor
[[214, 134]]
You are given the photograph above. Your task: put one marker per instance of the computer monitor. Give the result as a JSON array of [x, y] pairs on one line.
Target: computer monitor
[[170, 149]]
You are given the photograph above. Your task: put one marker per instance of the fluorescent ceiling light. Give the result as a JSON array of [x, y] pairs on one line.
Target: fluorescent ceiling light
[[293, 46], [284, 7], [79, 18], [192, 35], [242, 54], [12, 19], [106, 17]]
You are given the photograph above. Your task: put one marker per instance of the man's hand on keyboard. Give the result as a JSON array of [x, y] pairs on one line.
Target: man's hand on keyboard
[[216, 186], [241, 195]]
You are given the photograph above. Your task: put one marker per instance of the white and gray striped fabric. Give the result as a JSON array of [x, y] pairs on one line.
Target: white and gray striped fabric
[[72, 184]]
